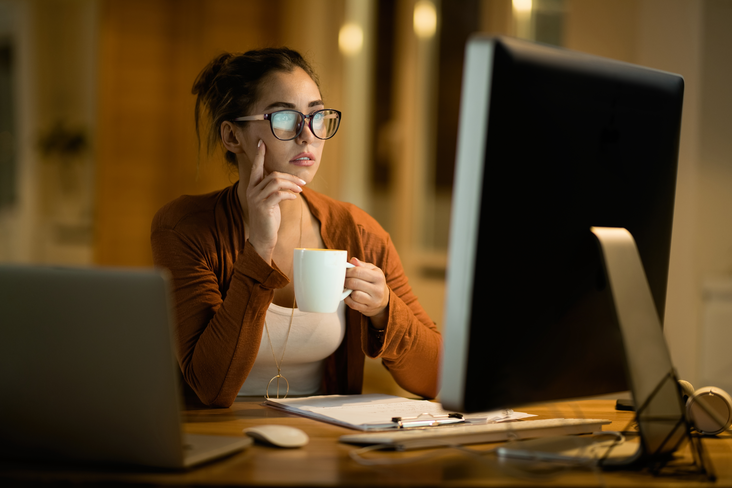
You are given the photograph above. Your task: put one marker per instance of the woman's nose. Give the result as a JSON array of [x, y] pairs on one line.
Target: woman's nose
[[306, 135]]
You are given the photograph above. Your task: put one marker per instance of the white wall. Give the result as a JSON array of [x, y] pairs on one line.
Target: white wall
[[55, 63], [670, 38], [692, 38], [17, 222], [713, 232]]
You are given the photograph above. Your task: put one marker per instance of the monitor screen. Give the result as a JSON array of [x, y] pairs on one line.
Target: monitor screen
[[551, 143]]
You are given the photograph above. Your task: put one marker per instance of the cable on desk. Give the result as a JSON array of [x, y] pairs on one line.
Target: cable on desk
[[357, 455], [521, 469], [538, 469], [530, 470]]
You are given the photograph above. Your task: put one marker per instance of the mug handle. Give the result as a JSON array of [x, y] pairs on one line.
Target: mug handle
[[346, 291]]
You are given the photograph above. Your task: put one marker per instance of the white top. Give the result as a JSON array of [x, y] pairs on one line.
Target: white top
[[314, 337]]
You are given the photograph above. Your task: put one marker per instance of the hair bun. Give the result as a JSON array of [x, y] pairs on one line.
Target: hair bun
[[229, 85], [205, 80]]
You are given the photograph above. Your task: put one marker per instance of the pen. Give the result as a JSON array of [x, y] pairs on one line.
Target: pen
[[427, 420]]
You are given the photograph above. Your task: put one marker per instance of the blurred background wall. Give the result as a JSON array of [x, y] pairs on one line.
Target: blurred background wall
[[96, 123]]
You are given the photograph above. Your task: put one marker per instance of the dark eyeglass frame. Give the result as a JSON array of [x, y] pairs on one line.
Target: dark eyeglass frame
[[301, 125]]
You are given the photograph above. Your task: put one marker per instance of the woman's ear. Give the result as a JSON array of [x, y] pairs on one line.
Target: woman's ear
[[232, 137]]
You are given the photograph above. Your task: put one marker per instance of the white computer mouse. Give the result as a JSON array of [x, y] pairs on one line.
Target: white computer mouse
[[278, 435]]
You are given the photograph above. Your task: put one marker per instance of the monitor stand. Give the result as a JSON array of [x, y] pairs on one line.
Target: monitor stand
[[650, 373]]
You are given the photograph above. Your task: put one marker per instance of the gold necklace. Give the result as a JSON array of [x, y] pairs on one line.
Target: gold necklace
[[278, 364]]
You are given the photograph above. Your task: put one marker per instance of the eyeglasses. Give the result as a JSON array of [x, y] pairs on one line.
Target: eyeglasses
[[287, 125]]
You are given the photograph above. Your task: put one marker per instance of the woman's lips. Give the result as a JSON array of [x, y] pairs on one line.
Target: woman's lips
[[303, 159]]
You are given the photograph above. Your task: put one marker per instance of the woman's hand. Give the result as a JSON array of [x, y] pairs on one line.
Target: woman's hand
[[264, 194], [370, 294]]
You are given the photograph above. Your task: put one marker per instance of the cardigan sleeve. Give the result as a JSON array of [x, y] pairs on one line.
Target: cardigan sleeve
[[412, 344], [218, 333]]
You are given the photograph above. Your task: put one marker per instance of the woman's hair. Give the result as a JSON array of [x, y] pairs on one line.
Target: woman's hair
[[230, 84]]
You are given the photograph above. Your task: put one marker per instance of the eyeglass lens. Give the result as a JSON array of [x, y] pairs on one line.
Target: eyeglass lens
[[286, 124]]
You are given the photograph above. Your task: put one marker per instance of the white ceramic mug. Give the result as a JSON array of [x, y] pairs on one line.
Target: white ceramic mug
[[319, 276]]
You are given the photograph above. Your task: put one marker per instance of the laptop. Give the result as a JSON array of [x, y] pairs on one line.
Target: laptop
[[88, 372]]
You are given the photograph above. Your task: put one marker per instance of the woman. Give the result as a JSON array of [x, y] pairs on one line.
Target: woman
[[230, 252]]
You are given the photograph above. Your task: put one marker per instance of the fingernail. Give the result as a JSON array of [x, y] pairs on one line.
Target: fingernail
[[303, 182], [259, 143]]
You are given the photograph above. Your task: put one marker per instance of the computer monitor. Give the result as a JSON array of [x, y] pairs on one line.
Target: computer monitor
[[551, 143]]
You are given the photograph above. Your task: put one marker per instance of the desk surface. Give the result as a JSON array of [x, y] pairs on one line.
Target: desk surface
[[326, 462]]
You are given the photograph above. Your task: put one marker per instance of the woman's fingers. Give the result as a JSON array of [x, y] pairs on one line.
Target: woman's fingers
[[270, 189], [264, 194], [370, 294], [282, 183], [257, 173], [366, 274]]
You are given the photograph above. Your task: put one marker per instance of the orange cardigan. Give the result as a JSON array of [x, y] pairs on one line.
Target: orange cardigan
[[223, 289]]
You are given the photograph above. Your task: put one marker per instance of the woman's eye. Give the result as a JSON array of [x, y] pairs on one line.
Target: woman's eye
[[284, 120]]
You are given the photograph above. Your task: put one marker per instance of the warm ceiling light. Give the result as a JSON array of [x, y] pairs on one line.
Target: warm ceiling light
[[522, 6], [425, 19], [350, 39]]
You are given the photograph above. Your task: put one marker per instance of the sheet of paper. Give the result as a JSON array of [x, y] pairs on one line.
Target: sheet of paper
[[376, 411]]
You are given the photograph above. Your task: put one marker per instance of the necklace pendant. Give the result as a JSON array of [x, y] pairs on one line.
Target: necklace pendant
[[277, 378]]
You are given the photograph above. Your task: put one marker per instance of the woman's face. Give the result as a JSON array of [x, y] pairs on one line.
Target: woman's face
[[301, 156]]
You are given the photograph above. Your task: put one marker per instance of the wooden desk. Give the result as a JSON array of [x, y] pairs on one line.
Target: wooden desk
[[326, 462]]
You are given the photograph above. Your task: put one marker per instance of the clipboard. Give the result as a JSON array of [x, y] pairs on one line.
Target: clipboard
[[375, 412]]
